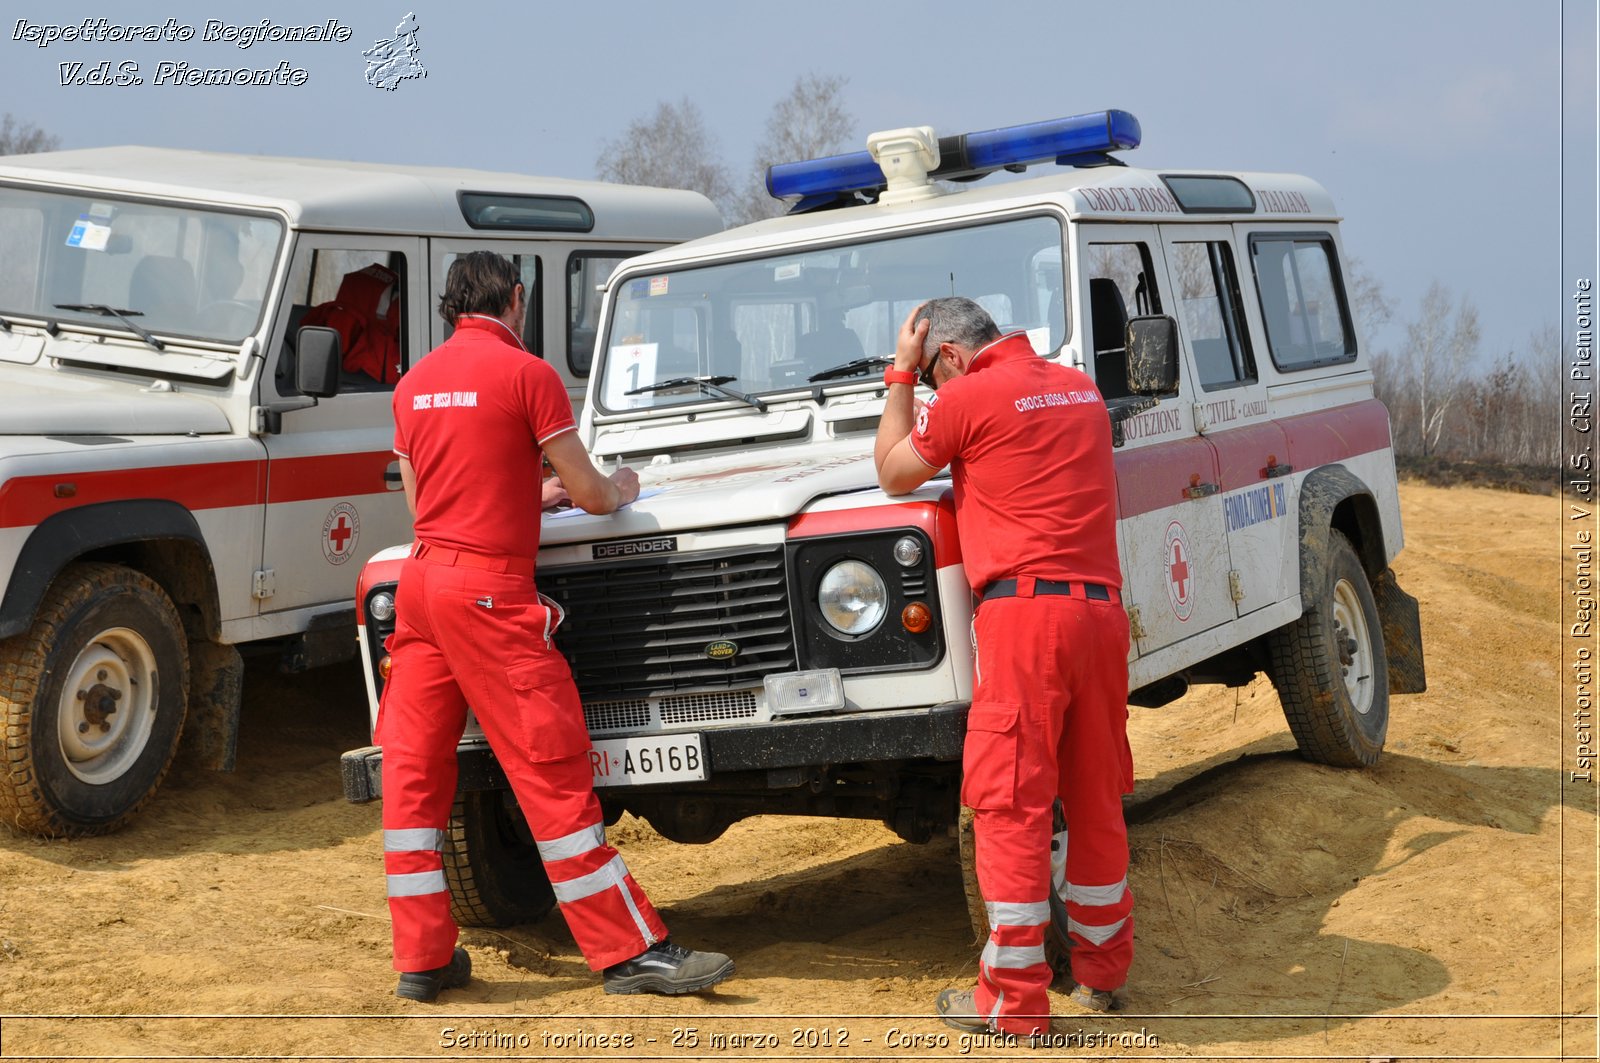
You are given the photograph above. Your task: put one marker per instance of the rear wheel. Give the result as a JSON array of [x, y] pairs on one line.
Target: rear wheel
[[1330, 669], [92, 698], [491, 863]]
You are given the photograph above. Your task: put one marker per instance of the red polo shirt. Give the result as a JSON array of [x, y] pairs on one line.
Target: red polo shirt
[[472, 418], [1028, 443]]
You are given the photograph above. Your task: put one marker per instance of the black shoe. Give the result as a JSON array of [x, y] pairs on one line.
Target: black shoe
[[667, 968], [425, 985]]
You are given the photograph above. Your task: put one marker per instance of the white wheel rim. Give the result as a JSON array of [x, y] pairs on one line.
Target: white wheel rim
[[108, 706], [1353, 644]]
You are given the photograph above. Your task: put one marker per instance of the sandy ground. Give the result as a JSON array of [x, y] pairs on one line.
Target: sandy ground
[[1442, 904]]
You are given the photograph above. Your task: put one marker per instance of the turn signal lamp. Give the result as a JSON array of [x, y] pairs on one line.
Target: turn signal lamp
[[385, 666], [915, 618], [1083, 139]]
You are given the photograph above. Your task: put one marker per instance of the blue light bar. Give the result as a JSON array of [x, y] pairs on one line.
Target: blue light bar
[[1082, 139], [832, 173], [1019, 145]]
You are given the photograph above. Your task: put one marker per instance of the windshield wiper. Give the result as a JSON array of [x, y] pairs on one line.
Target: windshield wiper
[[711, 385], [852, 368], [121, 315]]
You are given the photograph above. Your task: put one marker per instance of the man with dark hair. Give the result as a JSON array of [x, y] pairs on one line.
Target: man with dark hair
[[471, 423], [1028, 443]]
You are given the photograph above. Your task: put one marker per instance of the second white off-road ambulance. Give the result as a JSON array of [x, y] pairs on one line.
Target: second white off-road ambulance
[[197, 353]]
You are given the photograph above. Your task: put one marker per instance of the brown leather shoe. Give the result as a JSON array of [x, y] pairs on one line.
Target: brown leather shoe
[[1091, 999], [959, 1008]]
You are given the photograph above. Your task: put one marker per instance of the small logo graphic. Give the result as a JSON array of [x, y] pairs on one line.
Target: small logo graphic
[[340, 533], [635, 547], [722, 650], [1180, 578], [394, 60]]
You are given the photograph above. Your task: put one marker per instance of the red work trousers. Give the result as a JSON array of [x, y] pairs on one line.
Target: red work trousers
[[467, 636], [1048, 719]]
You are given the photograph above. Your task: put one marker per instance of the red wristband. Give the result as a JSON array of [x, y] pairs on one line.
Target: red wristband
[[899, 376]]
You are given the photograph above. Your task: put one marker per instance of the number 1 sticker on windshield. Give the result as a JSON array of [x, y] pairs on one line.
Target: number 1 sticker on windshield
[[631, 366]]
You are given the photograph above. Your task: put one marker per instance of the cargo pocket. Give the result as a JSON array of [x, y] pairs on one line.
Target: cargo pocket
[[550, 723], [989, 760]]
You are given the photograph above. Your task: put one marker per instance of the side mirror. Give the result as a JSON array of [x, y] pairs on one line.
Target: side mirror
[[317, 361], [1152, 354]]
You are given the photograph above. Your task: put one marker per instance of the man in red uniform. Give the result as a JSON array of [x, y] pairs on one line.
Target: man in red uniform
[[471, 422], [1028, 443]]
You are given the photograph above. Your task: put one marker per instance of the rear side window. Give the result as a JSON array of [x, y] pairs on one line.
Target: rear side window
[[1208, 300], [1302, 301]]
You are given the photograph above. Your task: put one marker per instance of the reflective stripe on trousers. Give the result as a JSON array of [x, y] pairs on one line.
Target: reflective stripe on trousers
[[564, 857], [1078, 897]]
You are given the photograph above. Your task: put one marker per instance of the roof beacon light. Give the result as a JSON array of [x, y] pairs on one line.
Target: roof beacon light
[[1080, 140]]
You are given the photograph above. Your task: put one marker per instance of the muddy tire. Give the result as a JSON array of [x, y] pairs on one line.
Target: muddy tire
[[492, 865], [1329, 666], [92, 698]]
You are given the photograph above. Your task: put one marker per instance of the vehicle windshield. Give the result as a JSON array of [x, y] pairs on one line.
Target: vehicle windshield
[[172, 270], [811, 318]]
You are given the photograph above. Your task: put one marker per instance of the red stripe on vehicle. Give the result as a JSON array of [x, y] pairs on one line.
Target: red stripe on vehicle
[[1244, 453], [936, 520], [1154, 477], [28, 500], [1328, 436], [328, 476]]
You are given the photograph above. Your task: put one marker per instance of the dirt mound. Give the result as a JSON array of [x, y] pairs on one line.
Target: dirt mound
[[1283, 908]]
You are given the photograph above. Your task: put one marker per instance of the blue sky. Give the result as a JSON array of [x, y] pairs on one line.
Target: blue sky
[[1437, 125]]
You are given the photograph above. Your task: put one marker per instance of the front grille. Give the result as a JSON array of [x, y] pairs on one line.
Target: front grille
[[642, 626], [672, 710]]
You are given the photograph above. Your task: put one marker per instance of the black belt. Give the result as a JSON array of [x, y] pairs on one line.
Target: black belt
[[1095, 592]]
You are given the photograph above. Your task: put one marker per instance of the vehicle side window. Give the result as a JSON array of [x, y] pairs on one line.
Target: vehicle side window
[[528, 273], [1302, 301], [360, 294], [586, 271], [1121, 285], [1208, 302]]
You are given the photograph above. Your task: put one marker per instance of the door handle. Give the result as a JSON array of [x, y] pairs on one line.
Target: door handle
[[391, 477], [1196, 489]]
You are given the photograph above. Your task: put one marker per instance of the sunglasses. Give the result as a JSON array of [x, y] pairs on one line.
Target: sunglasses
[[925, 374]]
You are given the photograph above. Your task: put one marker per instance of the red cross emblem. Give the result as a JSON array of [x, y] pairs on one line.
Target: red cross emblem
[[1179, 570], [340, 533], [1180, 575]]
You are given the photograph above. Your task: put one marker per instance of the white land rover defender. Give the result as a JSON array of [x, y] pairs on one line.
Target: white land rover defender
[[184, 468], [765, 631]]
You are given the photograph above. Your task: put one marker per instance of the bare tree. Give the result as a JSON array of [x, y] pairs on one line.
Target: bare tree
[[1439, 345], [1372, 307], [810, 122], [670, 149], [24, 138]]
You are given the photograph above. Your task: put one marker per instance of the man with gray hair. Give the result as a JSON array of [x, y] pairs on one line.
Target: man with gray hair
[[1028, 442]]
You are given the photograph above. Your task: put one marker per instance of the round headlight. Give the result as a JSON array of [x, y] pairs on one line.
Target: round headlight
[[907, 551], [852, 597], [381, 607]]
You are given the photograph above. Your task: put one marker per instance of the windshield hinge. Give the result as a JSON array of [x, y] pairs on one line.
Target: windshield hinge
[[264, 584], [265, 421]]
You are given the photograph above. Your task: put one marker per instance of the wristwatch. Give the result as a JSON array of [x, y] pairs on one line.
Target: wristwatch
[[899, 376]]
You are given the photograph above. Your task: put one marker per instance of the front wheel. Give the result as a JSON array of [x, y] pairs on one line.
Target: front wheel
[[492, 864], [1329, 666], [92, 697]]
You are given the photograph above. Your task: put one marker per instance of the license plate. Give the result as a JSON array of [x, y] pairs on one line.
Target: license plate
[[638, 761]]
